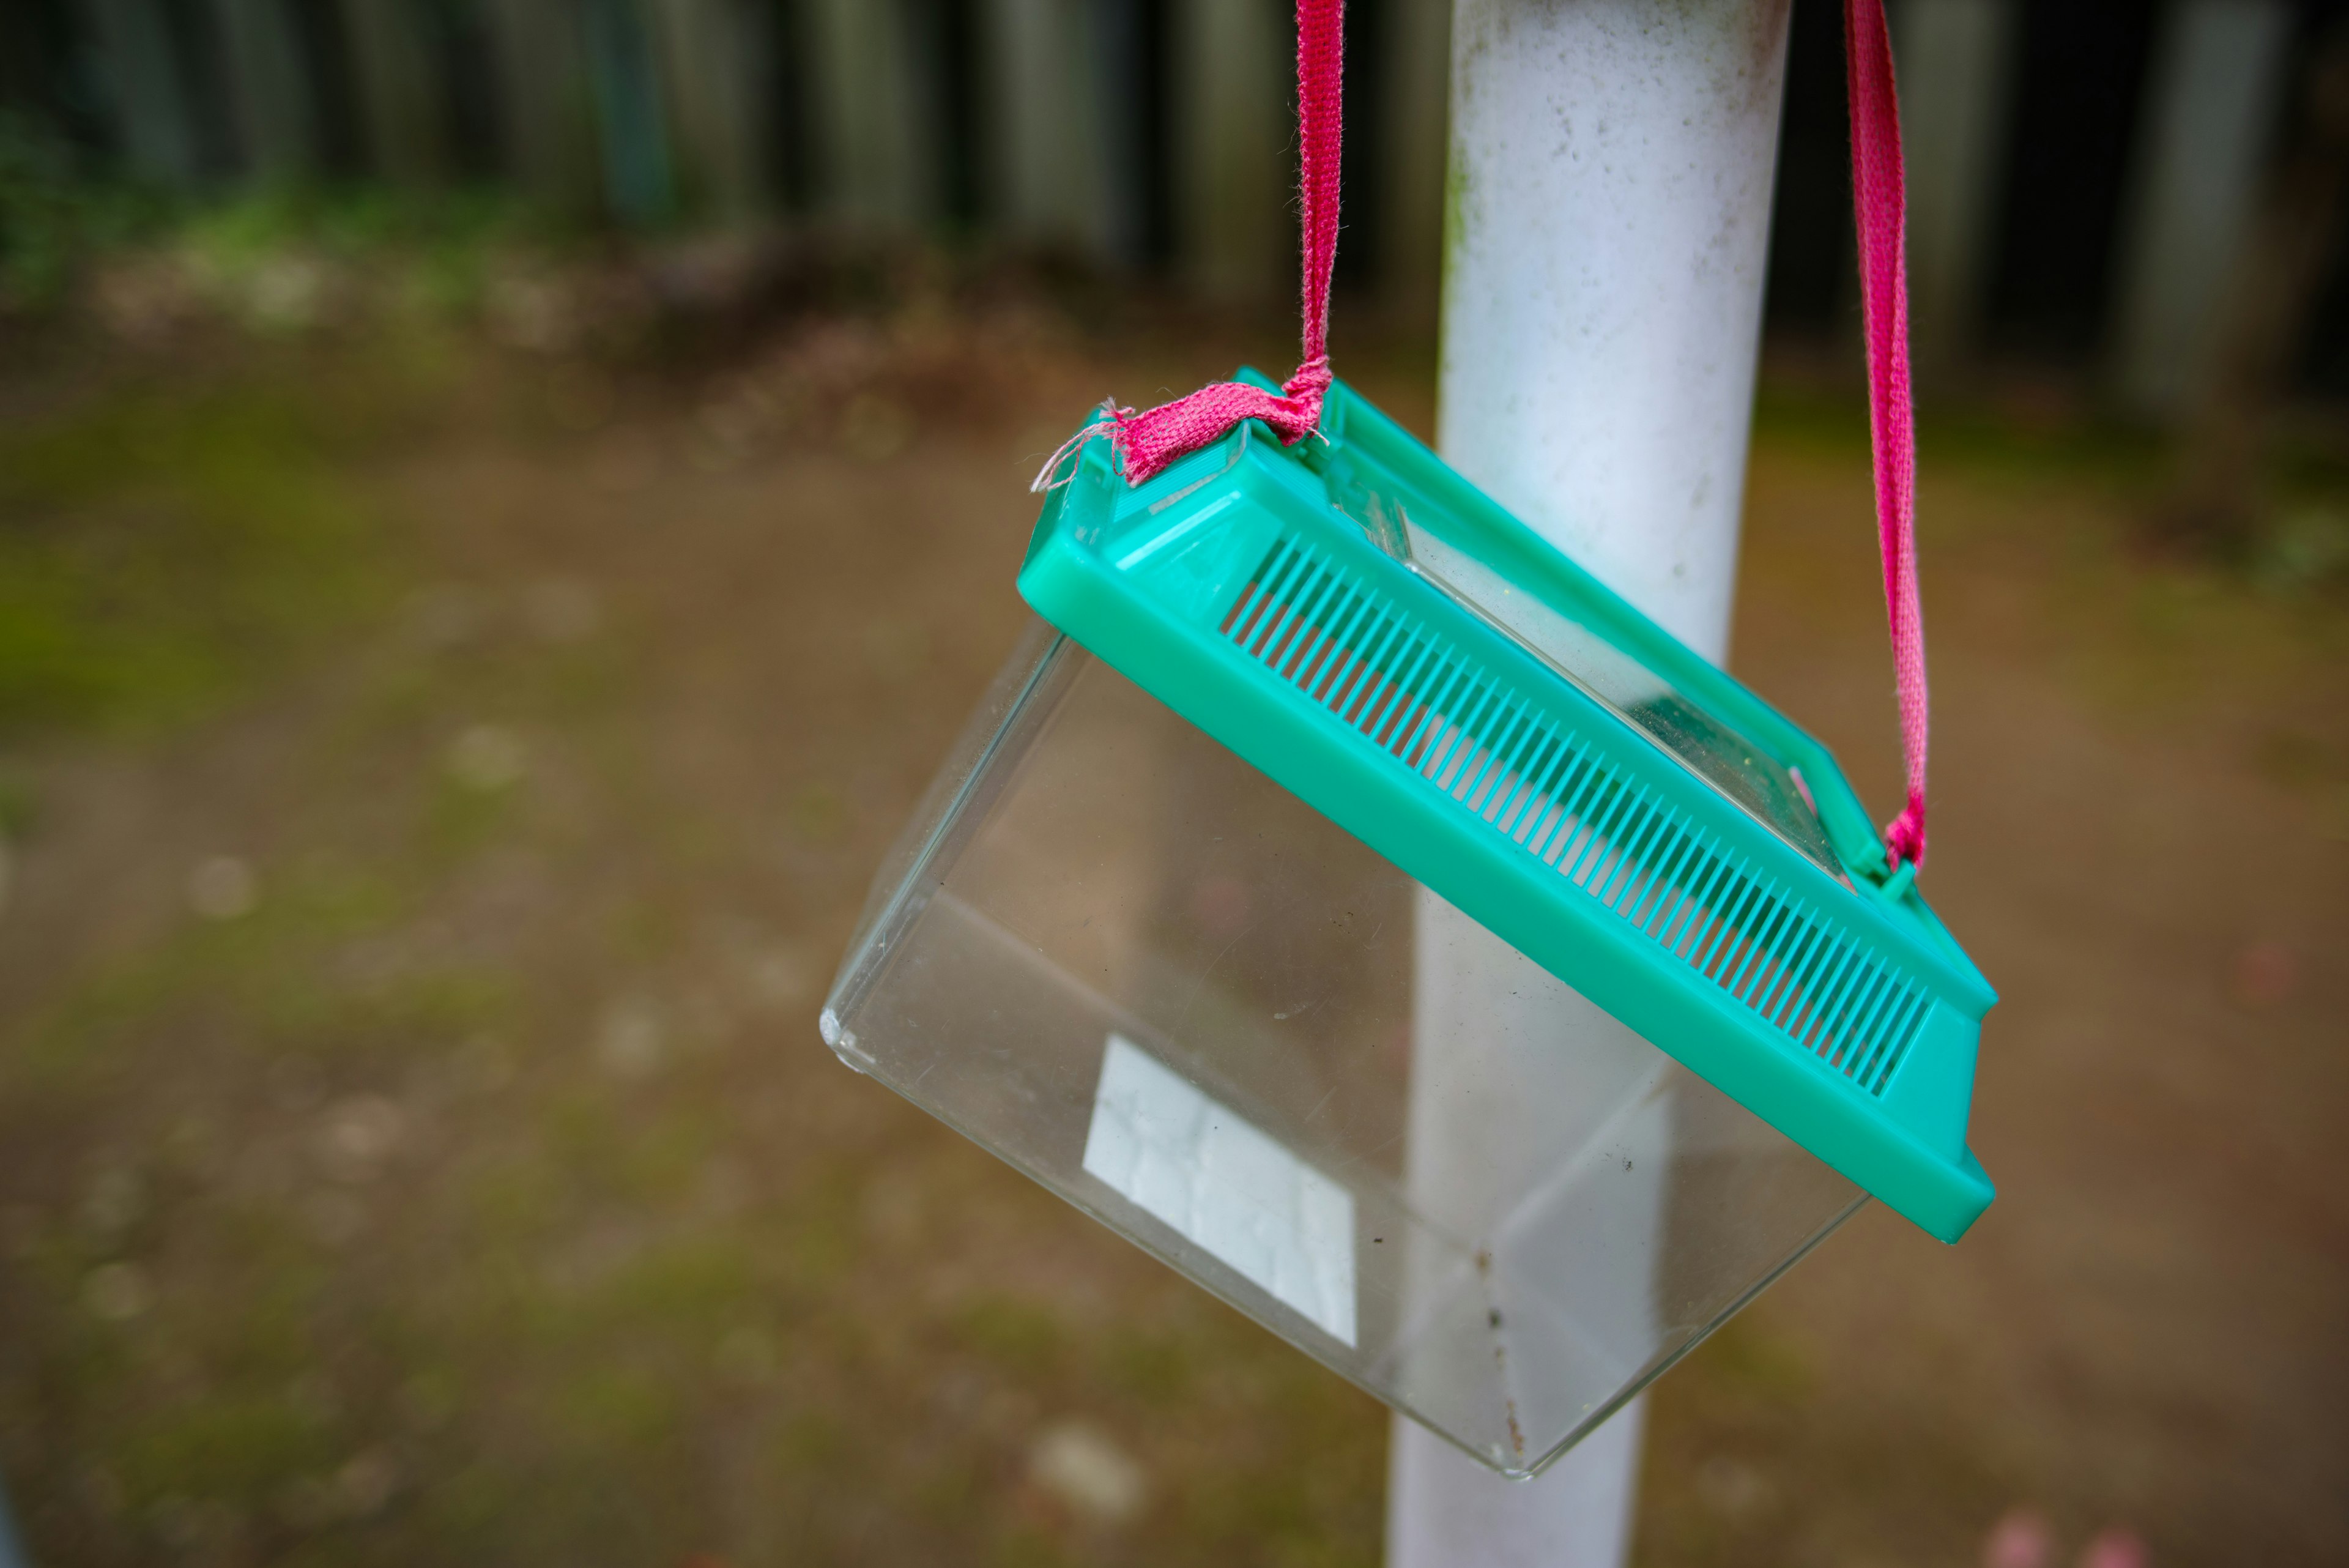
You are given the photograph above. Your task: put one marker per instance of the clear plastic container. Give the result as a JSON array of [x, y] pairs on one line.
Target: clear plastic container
[[1121, 958]]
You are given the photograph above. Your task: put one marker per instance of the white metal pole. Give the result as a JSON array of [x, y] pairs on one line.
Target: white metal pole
[[1609, 213]]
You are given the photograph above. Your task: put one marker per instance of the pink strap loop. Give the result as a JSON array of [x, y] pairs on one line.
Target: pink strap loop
[[1880, 203], [1151, 441]]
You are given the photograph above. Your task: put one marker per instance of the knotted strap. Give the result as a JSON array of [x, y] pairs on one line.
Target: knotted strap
[[1149, 441]]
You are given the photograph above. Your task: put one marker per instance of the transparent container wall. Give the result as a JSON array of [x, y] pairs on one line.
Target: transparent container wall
[[1130, 964]]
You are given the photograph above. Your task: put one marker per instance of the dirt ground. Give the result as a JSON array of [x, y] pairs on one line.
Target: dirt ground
[[440, 783]]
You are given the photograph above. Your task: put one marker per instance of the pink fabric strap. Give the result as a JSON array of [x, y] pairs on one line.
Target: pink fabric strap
[[1880, 206], [1151, 441]]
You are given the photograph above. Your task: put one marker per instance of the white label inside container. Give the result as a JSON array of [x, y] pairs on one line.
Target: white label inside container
[[1229, 1188]]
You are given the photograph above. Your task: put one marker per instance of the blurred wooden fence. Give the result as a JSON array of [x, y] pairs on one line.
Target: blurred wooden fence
[[2083, 172], [1141, 131]]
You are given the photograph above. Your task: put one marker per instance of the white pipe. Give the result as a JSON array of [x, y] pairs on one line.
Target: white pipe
[[1611, 165]]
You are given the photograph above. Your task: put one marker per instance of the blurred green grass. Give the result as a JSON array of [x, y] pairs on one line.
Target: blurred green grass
[[162, 549]]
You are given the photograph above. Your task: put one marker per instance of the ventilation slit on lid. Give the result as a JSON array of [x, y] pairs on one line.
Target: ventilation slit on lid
[[1373, 629], [1614, 800], [1596, 802], [1767, 927], [1547, 802], [1470, 754], [1296, 616], [1481, 743], [1896, 1030], [1341, 649], [1414, 725], [1279, 596], [1499, 754], [1259, 600], [1831, 1034], [1559, 825], [1398, 695], [1869, 1036], [1606, 880], [1281, 621], [1549, 809], [1830, 992], [1428, 739], [1530, 756], [1361, 683], [1794, 940], [1903, 1028], [1507, 774], [1399, 727], [1805, 1014], [1646, 863], [1403, 728], [1688, 900], [1443, 764], [1743, 927], [1720, 897], [1761, 969], [1312, 642], [1554, 788], [1723, 940], [1682, 900], [1751, 930], [1250, 593], [1306, 631], [1525, 803], [1637, 860], [1606, 799], [1856, 1019], [1394, 712], [1799, 994], [1861, 1034], [1377, 681], [1666, 886], [1656, 874], [1742, 892], [1842, 1052], [1699, 914], [1671, 851], [1616, 852], [1370, 651], [1489, 764], [1240, 606], [1622, 842], [1774, 999], [1515, 790], [1265, 591], [1719, 886], [1488, 771], [1831, 998], [1570, 812]]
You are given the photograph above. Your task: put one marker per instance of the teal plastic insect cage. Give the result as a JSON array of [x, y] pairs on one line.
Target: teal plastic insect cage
[[1350, 900]]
